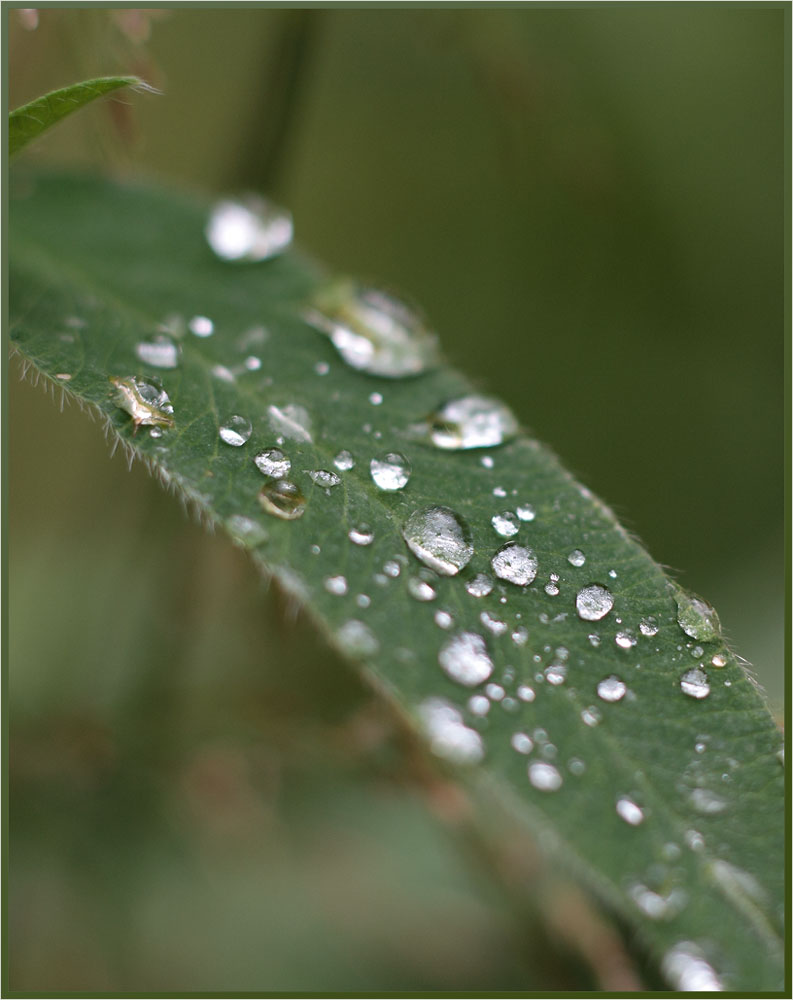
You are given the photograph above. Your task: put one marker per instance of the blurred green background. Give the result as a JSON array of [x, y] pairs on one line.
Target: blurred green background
[[589, 205]]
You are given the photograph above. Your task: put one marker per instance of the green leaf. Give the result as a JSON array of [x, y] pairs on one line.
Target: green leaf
[[29, 121], [666, 805]]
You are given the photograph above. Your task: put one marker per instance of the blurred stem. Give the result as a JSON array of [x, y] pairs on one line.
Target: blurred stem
[[261, 160]]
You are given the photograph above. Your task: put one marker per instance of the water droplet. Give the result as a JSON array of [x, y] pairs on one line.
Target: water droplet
[[465, 659], [235, 430], [252, 363], [440, 538], [719, 660], [593, 602], [376, 398], [552, 588], [706, 802], [63, 377], [654, 905], [201, 326], [493, 624], [515, 564], [420, 589], [283, 499], [373, 331], [505, 524], [526, 512], [358, 639], [648, 626], [245, 531], [390, 471], [544, 776], [576, 558], [472, 422], [155, 432], [487, 461], [480, 586], [248, 229], [694, 683], [591, 716], [494, 691], [363, 600], [292, 421], [392, 568], [696, 652], [159, 352], [144, 399], [223, 373], [525, 693], [629, 811], [336, 585], [443, 619], [520, 636], [625, 640], [361, 535], [611, 689], [555, 674], [322, 368], [324, 479], [685, 967], [697, 618], [273, 462], [344, 461], [449, 737], [522, 742], [576, 766]]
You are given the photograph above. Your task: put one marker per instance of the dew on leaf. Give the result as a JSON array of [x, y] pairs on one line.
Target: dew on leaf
[[159, 352], [628, 811], [465, 659], [697, 618], [494, 625], [522, 742], [494, 691], [544, 777], [292, 421], [479, 705], [63, 377], [420, 590], [223, 373], [576, 558], [625, 639], [373, 331], [376, 398], [555, 674], [273, 462], [611, 689], [245, 531], [525, 693], [449, 737], [248, 229], [235, 430], [480, 586], [392, 568], [694, 683], [719, 660], [706, 802], [525, 512], [515, 564], [686, 968], [648, 626], [361, 534], [591, 716], [440, 538], [443, 619], [336, 585], [344, 461], [201, 326], [323, 478], [390, 471], [505, 524], [358, 639], [252, 363], [593, 602], [472, 422], [144, 399], [283, 499]]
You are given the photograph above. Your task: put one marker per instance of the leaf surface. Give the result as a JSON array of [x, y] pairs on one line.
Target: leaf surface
[[668, 807]]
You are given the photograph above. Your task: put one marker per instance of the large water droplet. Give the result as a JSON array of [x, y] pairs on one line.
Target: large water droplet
[[576, 558], [697, 618], [144, 399], [292, 421], [248, 229], [159, 352], [694, 683], [505, 524], [283, 499], [629, 811], [593, 602], [390, 471], [440, 538], [235, 430], [544, 776], [611, 689], [324, 479], [472, 422], [465, 659], [449, 737], [515, 564], [273, 462], [687, 970], [373, 331], [480, 586]]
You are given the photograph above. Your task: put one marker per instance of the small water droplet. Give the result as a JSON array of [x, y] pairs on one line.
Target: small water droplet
[[344, 461], [392, 568], [373, 331], [552, 588], [494, 691], [505, 524], [201, 326], [515, 564], [629, 811], [159, 352], [544, 777], [248, 229], [324, 479], [273, 462], [336, 585], [465, 659], [322, 368], [235, 430], [525, 693], [376, 398], [611, 689], [443, 619], [363, 600], [291, 420], [420, 589], [593, 602], [525, 512], [522, 742], [625, 640], [358, 639], [155, 432], [478, 705], [362, 534], [648, 626], [252, 363], [686, 968], [472, 422], [719, 660], [480, 586], [694, 683], [449, 737], [223, 373], [144, 399], [576, 766], [520, 636], [494, 625], [63, 377], [576, 558], [706, 802], [390, 471], [245, 531], [591, 716], [555, 674], [697, 618], [283, 499], [487, 461], [440, 538]]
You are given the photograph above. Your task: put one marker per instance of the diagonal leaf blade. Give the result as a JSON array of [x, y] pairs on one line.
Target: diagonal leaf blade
[[668, 806], [29, 121]]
